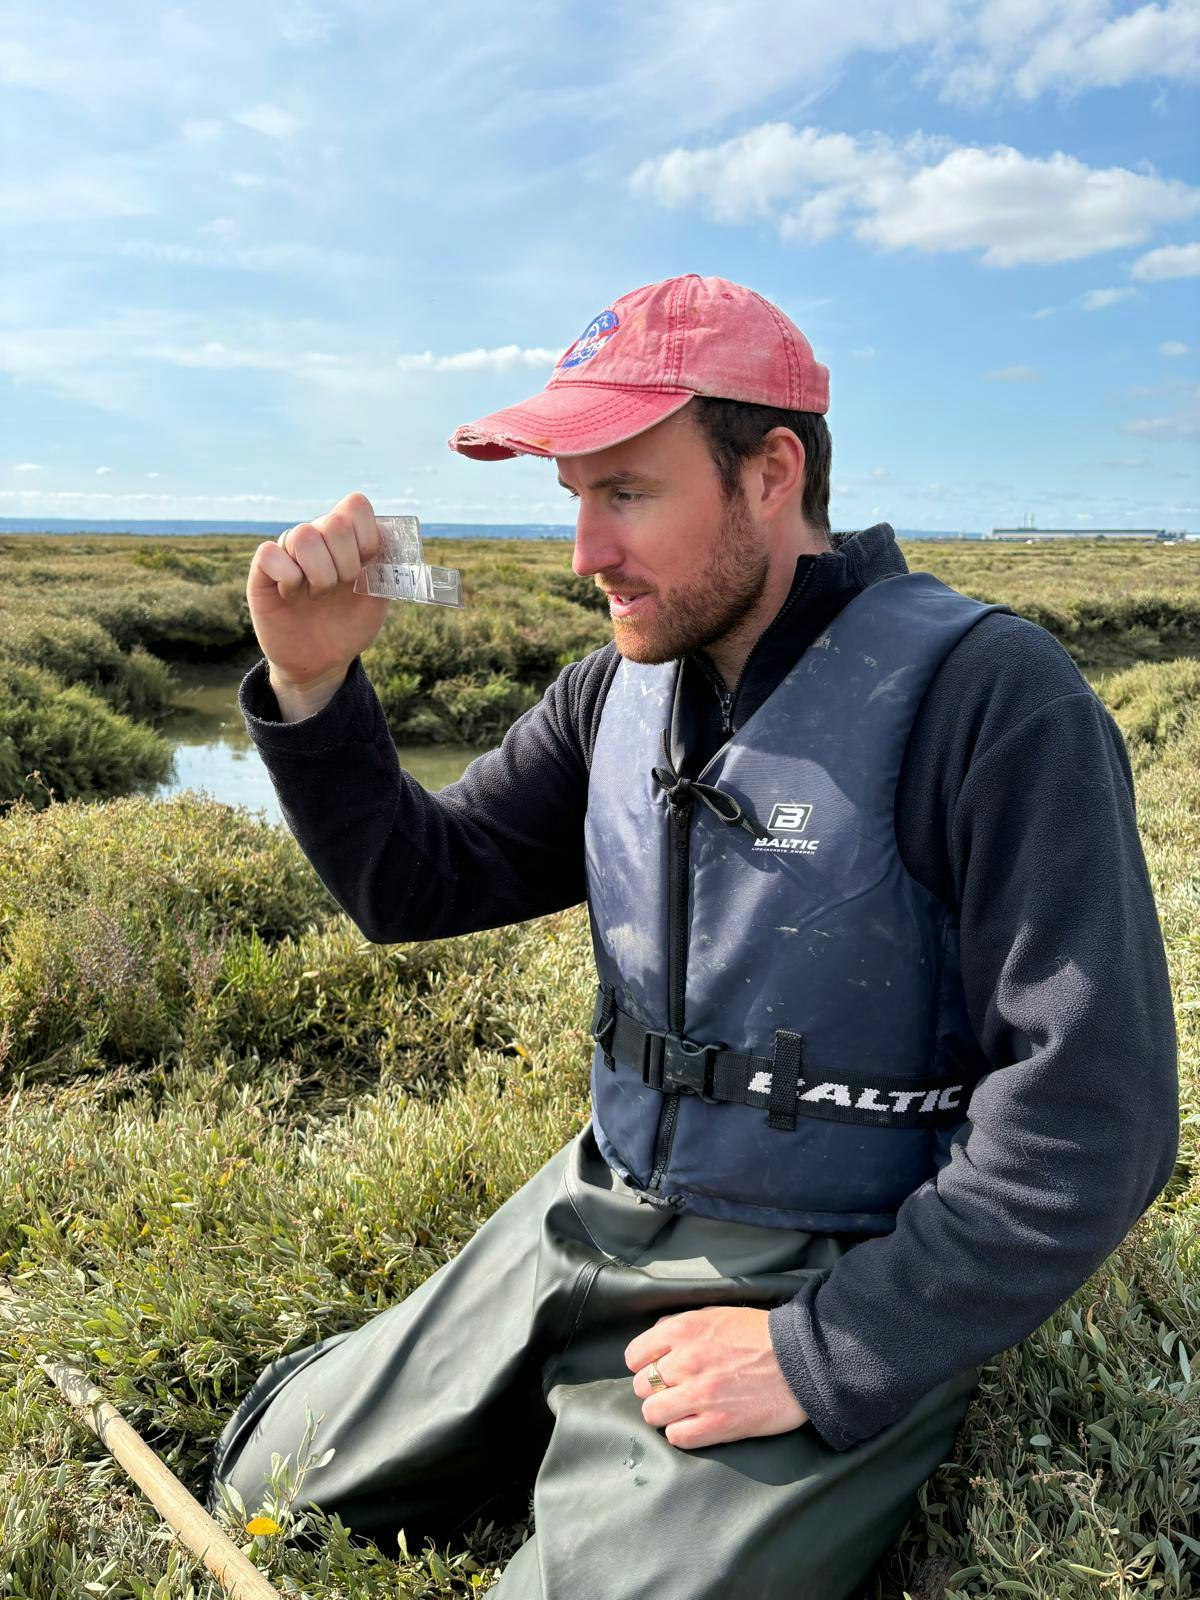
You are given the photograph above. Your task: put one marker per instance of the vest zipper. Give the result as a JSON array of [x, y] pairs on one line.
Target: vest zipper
[[680, 812], [728, 696]]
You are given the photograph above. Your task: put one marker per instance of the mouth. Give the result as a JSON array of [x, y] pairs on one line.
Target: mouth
[[626, 605]]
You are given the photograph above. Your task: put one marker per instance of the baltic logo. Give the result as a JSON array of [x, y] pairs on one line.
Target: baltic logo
[[835, 1097], [788, 820]]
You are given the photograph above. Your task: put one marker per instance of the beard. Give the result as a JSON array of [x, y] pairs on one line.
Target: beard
[[709, 606]]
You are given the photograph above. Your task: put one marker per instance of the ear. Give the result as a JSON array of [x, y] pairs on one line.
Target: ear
[[780, 466]]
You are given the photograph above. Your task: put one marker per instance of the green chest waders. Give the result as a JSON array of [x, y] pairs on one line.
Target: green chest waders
[[504, 1371]]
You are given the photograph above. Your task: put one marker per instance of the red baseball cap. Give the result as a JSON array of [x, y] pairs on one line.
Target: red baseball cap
[[643, 358]]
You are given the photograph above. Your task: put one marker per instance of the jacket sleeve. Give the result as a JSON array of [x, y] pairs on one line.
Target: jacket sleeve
[[503, 844], [1073, 1133]]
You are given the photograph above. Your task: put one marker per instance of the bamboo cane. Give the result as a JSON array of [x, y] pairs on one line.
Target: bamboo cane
[[240, 1578]]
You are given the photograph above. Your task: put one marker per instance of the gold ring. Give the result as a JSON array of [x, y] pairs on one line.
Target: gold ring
[[654, 1377]]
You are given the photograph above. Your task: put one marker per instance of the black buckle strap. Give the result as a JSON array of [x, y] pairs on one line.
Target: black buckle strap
[[604, 1020], [669, 1063]]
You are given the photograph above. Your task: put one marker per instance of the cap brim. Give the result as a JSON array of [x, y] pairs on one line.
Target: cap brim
[[568, 419]]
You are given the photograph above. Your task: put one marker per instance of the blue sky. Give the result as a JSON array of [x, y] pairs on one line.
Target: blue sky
[[258, 255]]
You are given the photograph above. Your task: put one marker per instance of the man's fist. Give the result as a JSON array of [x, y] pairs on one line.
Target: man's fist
[[309, 622]]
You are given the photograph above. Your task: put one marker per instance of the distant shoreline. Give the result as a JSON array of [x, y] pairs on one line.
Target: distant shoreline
[[194, 528]]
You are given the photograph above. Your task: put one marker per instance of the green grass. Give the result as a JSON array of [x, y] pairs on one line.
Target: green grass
[[108, 617], [232, 1125]]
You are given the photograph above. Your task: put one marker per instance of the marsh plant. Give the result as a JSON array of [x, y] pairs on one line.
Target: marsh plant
[[232, 1126]]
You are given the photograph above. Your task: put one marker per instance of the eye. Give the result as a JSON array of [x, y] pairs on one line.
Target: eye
[[628, 494]]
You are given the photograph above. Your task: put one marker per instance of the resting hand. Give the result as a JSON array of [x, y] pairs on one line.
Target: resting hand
[[723, 1379]]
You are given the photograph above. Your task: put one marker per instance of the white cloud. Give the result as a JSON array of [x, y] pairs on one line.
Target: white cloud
[[503, 359], [87, 362], [676, 68], [1101, 299], [1172, 347], [108, 363], [273, 121], [152, 474], [920, 193], [216, 354], [301, 259], [1182, 426], [1014, 375], [307, 24], [685, 67], [28, 466], [1029, 47], [102, 471], [1174, 428], [348, 373], [1172, 261], [88, 192], [200, 130], [143, 497]]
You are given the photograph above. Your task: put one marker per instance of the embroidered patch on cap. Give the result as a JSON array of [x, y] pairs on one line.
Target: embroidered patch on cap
[[594, 337]]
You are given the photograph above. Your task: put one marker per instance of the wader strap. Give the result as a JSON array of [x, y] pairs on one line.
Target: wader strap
[[666, 1062]]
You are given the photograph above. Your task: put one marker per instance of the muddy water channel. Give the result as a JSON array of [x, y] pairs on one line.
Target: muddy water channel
[[214, 753]]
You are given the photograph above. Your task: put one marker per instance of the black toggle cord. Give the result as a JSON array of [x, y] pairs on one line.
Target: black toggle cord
[[723, 806]]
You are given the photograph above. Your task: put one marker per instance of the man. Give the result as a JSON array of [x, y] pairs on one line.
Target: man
[[885, 1055]]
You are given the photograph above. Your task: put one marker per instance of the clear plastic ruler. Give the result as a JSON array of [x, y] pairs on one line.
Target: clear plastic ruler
[[401, 571]]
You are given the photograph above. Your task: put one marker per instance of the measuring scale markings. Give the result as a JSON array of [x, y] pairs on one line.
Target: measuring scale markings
[[401, 572]]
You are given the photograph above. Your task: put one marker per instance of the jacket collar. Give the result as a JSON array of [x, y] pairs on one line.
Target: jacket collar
[[860, 559], [821, 586]]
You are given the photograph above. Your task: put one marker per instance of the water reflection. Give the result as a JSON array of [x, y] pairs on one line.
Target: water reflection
[[213, 752]]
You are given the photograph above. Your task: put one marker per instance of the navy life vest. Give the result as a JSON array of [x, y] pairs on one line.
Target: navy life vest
[[781, 1032]]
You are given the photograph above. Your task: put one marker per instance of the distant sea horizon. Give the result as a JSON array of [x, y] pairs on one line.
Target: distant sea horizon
[[195, 528]]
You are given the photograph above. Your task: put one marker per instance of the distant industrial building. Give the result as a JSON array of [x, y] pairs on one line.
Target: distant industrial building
[[1028, 534]]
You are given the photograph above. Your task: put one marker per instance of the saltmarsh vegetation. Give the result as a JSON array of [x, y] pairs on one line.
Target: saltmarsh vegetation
[[232, 1125], [93, 632]]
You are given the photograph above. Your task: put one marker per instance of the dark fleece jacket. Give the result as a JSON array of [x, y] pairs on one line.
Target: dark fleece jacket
[[1015, 806]]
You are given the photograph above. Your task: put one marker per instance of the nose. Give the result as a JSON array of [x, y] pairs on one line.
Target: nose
[[597, 548]]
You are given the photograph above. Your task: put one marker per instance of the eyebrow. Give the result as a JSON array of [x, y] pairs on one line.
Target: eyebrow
[[614, 480]]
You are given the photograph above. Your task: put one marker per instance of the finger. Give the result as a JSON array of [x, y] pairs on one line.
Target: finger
[[273, 568], [694, 1433], [365, 527], [305, 543], [668, 1369], [648, 1346], [670, 1405], [361, 514], [341, 540]]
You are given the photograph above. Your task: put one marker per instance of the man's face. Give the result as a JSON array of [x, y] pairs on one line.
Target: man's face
[[680, 566]]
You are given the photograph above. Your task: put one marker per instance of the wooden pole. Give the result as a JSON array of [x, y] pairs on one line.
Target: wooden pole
[[240, 1578]]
